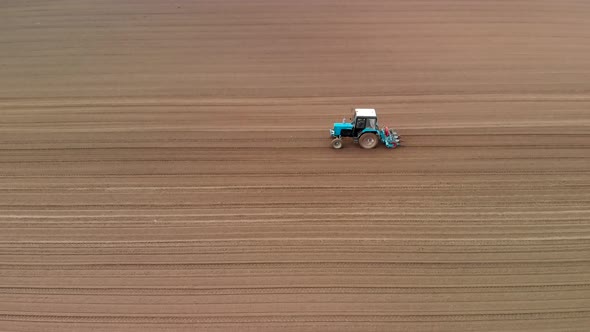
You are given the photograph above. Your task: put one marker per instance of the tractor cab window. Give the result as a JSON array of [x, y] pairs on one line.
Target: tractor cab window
[[371, 123], [360, 123]]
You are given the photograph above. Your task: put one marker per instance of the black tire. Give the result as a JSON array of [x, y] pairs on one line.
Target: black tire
[[368, 141], [337, 143]]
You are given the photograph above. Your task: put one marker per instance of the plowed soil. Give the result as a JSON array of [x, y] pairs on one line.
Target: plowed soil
[[166, 166]]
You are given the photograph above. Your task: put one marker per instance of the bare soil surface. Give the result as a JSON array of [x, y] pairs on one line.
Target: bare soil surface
[[166, 166]]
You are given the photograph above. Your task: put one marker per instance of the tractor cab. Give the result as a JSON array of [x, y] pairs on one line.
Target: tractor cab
[[364, 118]]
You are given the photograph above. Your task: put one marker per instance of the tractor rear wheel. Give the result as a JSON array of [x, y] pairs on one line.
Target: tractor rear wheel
[[337, 143], [368, 141]]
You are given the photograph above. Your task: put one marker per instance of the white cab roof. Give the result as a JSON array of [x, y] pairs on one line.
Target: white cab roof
[[365, 112]]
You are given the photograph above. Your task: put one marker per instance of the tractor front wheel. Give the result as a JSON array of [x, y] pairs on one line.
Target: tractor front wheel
[[368, 141], [337, 143]]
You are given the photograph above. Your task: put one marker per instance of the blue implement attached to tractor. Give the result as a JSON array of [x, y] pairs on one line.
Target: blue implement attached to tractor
[[364, 130]]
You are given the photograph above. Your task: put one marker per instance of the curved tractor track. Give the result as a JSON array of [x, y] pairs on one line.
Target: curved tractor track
[[166, 166]]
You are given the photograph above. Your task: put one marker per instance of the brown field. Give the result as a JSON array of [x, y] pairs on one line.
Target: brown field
[[166, 166]]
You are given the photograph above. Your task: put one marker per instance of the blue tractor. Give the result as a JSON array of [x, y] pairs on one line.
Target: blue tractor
[[364, 130]]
